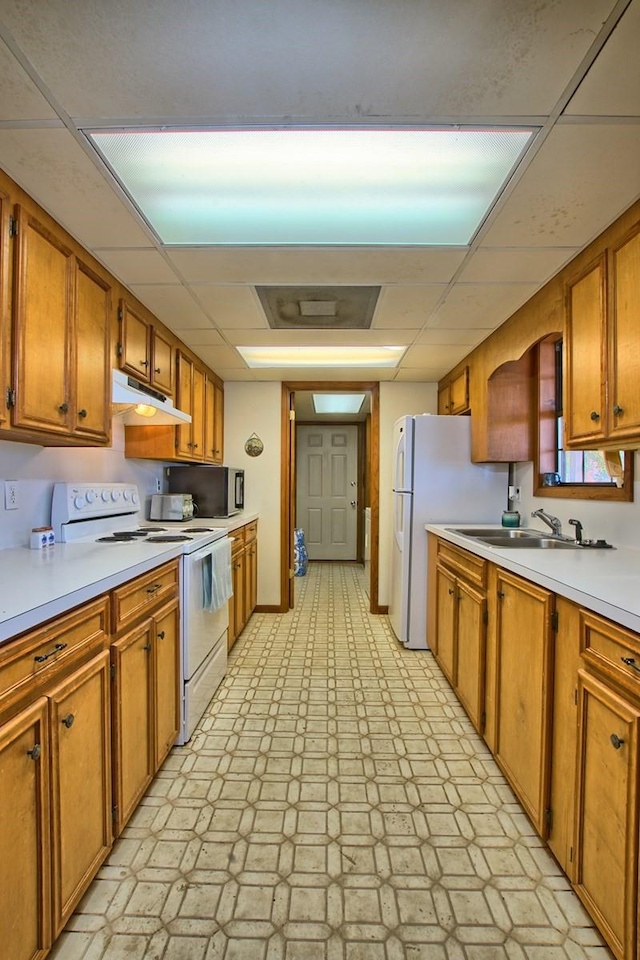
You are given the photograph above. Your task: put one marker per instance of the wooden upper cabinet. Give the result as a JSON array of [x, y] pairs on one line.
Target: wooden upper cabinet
[[42, 333], [624, 356], [459, 393], [144, 351], [585, 403], [214, 399], [61, 337], [134, 346], [5, 213], [184, 403], [443, 400], [91, 414], [163, 362]]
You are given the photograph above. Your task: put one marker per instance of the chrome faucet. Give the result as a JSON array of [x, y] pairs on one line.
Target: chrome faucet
[[551, 521]]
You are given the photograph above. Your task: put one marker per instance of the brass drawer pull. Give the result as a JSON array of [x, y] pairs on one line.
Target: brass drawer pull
[[68, 721], [616, 741], [63, 408], [154, 588], [595, 415], [82, 413], [630, 662], [45, 656], [35, 752], [618, 410], [161, 635]]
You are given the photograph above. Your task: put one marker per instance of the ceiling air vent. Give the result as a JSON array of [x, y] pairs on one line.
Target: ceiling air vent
[[318, 308]]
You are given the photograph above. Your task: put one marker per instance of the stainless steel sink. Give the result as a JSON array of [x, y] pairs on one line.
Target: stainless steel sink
[[502, 532], [529, 543]]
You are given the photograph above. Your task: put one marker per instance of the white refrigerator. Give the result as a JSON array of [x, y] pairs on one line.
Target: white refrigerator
[[434, 481]]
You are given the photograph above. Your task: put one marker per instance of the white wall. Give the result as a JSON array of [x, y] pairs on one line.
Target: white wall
[[396, 400], [256, 408], [37, 468], [618, 523]]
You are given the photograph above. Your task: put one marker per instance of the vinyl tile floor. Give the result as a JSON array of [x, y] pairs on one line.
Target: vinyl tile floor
[[334, 804]]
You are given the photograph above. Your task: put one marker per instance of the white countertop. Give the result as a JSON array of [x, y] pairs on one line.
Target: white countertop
[[605, 581], [36, 585]]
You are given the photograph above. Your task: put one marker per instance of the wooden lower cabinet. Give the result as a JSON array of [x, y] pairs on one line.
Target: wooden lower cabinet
[[25, 847], [522, 690], [244, 573], [81, 783], [146, 675]]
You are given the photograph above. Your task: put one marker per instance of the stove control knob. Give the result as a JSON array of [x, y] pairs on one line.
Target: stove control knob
[[79, 503], [115, 495], [126, 494], [91, 496], [105, 495], [134, 497]]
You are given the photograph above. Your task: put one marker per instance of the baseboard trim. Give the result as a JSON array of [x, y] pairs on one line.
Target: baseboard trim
[[270, 608]]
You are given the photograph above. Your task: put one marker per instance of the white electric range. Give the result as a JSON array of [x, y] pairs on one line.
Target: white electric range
[[110, 515]]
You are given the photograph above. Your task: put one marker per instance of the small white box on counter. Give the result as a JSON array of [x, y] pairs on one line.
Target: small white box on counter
[[42, 537]]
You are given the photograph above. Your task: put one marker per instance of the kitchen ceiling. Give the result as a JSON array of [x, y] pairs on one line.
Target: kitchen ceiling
[[568, 68]]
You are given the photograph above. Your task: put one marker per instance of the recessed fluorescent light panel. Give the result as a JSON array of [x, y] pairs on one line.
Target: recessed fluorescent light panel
[[409, 187], [321, 356], [338, 402]]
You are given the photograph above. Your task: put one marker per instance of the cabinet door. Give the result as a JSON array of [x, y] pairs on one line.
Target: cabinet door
[[5, 213], [444, 404], [250, 578], [167, 680], [92, 404], [25, 865], [238, 592], [218, 423], [585, 373], [133, 746], [459, 393], [607, 812], [523, 686], [214, 397], [470, 655], [198, 415], [81, 783], [135, 343], [624, 357], [446, 622], [162, 373], [185, 403], [43, 310]]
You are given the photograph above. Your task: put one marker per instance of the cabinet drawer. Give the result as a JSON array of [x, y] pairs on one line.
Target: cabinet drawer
[[611, 650], [237, 545], [251, 531], [467, 565], [138, 598], [28, 664]]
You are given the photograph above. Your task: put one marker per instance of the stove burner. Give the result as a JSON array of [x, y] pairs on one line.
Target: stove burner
[[168, 538], [199, 529], [130, 534], [117, 538]]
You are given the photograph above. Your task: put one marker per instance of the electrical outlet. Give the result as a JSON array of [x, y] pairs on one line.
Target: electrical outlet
[[158, 485], [514, 493], [11, 499]]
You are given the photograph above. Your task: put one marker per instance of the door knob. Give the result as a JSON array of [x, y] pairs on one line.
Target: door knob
[[353, 503]]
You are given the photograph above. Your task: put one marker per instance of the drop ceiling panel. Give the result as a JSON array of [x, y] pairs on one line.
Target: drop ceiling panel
[[406, 307], [202, 338], [21, 99], [138, 266], [310, 266], [422, 374], [221, 357], [172, 304], [504, 266], [299, 58], [475, 305], [51, 166], [453, 337], [582, 179], [231, 307], [612, 85], [430, 357]]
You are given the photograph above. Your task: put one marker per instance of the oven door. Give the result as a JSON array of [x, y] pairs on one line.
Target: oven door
[[204, 642]]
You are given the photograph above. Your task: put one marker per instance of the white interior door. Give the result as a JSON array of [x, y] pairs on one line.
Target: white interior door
[[327, 490]]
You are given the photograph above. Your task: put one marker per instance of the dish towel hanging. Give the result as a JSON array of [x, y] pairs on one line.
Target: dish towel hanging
[[217, 587]]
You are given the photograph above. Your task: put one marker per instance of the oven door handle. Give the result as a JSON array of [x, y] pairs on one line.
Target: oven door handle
[[205, 552]]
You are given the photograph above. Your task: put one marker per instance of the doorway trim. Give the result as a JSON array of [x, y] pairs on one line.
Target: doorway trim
[[288, 474]]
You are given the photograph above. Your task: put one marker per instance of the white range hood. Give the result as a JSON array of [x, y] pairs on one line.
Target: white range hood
[[140, 405]]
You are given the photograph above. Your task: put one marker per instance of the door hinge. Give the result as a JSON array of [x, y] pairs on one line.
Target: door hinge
[[11, 397], [570, 854], [13, 227], [548, 818], [112, 671], [292, 414], [114, 812], [119, 350], [554, 621], [575, 696], [120, 313], [485, 617]]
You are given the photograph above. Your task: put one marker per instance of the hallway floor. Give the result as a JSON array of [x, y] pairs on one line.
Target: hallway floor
[[336, 804]]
